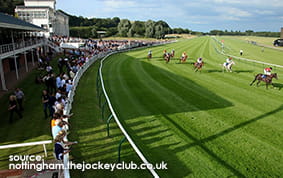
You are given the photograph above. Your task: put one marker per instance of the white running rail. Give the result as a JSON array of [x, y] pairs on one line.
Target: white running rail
[[118, 122], [245, 59]]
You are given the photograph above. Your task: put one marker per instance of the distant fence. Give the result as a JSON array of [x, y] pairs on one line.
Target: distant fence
[[244, 59]]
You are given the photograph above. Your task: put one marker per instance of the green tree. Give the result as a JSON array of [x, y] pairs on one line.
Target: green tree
[[137, 29], [124, 27], [159, 31], [149, 29]]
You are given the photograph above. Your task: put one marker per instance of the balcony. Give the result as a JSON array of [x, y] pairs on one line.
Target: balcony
[[7, 50]]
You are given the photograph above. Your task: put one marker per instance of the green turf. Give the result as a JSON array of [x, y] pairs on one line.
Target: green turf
[[208, 124]]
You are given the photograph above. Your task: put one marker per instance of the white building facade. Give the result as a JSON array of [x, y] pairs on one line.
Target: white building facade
[[43, 13]]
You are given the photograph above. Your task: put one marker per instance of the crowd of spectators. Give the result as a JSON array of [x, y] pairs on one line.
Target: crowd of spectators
[[64, 39]]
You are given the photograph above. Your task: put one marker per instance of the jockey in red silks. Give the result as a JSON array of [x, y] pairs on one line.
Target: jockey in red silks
[[267, 71]]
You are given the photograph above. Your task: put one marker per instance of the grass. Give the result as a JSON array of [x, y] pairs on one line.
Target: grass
[[208, 124]]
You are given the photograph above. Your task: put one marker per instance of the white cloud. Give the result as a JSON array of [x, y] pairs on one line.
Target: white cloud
[[119, 3], [235, 12], [264, 12]]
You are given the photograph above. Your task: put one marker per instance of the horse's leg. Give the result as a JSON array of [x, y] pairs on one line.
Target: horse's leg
[[257, 82], [253, 81], [196, 68]]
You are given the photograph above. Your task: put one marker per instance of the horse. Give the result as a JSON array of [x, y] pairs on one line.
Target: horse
[[167, 58], [149, 56], [198, 66], [228, 67], [267, 79], [172, 53], [183, 58]]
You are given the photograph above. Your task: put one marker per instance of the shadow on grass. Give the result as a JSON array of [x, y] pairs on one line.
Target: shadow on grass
[[278, 85]]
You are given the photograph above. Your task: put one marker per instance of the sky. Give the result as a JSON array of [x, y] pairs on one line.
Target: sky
[[196, 15]]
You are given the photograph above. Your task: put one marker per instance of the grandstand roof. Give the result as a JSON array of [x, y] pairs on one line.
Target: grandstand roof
[[7, 21]]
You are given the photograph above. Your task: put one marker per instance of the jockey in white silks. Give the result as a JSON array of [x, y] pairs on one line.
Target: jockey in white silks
[[228, 61]]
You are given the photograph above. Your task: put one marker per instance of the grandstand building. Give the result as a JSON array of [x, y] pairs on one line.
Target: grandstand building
[[20, 49], [43, 13]]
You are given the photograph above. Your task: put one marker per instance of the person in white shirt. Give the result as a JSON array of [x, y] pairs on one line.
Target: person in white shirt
[[58, 81]]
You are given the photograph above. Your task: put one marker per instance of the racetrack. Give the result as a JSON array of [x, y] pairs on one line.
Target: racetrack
[[203, 124]]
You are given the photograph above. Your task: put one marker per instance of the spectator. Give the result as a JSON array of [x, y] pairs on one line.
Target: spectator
[[20, 97], [49, 69], [60, 145], [69, 86], [60, 64], [45, 100], [58, 81], [57, 128], [58, 94], [59, 149], [51, 103], [13, 108]]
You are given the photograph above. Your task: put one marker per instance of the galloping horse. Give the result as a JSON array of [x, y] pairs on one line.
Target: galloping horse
[[149, 56], [183, 58], [267, 79], [172, 53], [198, 66], [228, 67], [167, 57]]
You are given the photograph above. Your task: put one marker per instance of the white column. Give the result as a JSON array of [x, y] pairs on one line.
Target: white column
[[2, 76], [25, 55], [15, 58], [26, 62]]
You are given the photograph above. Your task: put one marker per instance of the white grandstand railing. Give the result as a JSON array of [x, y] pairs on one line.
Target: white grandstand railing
[[245, 59], [68, 106]]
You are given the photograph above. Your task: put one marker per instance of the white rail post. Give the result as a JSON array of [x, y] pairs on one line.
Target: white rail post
[[45, 152]]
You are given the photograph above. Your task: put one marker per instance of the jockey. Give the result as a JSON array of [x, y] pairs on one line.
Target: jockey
[[164, 51], [184, 55], [267, 71], [149, 52], [228, 61], [199, 60]]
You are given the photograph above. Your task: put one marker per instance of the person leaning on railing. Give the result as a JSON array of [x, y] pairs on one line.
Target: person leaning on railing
[[62, 147]]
